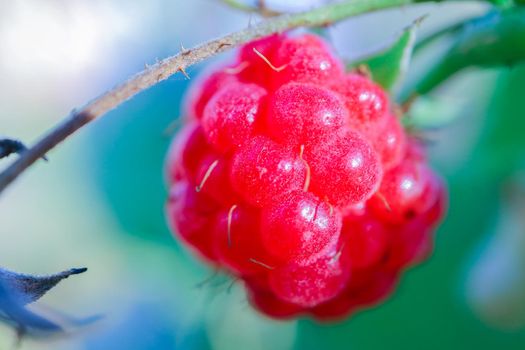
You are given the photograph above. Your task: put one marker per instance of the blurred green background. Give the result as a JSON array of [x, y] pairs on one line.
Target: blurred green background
[[99, 201]]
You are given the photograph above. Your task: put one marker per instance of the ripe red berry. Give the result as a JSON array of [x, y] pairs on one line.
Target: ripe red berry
[[305, 59], [366, 241], [267, 302], [213, 180], [230, 116], [201, 92], [305, 114], [366, 101], [311, 282], [186, 152], [406, 191], [298, 179], [263, 171], [345, 169], [298, 226], [390, 142], [254, 58], [190, 216], [380, 283], [238, 241]]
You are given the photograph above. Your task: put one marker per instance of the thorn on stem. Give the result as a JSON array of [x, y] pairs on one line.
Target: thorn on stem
[[183, 71], [223, 44], [183, 50]]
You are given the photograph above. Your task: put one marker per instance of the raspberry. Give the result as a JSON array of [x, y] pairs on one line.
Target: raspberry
[[299, 226], [309, 283], [201, 92], [406, 191], [271, 305], [262, 171], [299, 180], [190, 215], [305, 59], [390, 143], [186, 152], [367, 241], [345, 169], [229, 117], [238, 241], [252, 59], [305, 114], [213, 180], [366, 101]]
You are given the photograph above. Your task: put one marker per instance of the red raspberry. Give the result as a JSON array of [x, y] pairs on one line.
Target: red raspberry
[[299, 226], [253, 59], [305, 114], [267, 302], [305, 59], [366, 101], [406, 191], [366, 241], [203, 90], [190, 215], [229, 117], [412, 240], [238, 241], [308, 283], [299, 180], [345, 169], [213, 180], [390, 142], [262, 171], [186, 152]]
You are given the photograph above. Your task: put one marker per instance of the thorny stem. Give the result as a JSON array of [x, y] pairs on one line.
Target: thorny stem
[[162, 70]]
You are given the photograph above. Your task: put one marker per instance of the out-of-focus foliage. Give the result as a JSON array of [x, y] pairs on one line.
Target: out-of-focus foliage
[[128, 158], [495, 39]]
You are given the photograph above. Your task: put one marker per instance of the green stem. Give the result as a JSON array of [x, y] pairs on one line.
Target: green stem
[[496, 39]]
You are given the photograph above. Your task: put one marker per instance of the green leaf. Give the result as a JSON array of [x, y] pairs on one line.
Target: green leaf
[[390, 65], [493, 40]]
